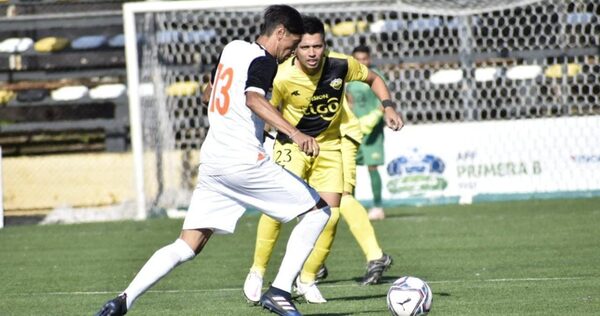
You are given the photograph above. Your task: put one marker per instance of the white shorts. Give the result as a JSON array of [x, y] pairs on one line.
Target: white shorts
[[220, 200]]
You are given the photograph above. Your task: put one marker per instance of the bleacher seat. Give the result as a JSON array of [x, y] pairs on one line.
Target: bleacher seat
[[15, 45], [108, 91], [183, 88], [32, 95], [51, 44], [6, 96], [556, 70], [117, 41], [348, 28], [89, 42], [69, 93]]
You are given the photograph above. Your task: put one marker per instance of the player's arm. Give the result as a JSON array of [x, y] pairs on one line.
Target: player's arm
[[261, 74], [206, 93], [205, 98], [391, 117], [263, 108]]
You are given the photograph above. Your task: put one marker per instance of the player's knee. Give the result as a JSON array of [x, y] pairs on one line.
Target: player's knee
[[321, 204], [183, 251], [319, 214]]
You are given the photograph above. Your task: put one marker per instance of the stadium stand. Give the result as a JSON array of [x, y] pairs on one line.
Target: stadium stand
[[53, 54]]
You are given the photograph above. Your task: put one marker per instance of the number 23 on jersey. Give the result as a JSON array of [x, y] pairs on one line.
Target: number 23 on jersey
[[220, 93]]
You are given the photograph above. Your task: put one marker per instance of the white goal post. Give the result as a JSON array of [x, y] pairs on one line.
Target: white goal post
[[461, 68], [1, 193]]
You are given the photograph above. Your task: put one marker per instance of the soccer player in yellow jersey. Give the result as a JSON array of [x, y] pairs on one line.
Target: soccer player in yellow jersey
[[309, 90]]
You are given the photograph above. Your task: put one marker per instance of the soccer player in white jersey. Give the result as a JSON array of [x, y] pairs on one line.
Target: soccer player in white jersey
[[235, 172]]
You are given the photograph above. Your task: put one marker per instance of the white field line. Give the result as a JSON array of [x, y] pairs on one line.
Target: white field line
[[345, 285]]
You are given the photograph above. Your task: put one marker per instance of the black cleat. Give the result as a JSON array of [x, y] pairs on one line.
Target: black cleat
[[279, 302], [375, 269], [322, 274], [115, 307]]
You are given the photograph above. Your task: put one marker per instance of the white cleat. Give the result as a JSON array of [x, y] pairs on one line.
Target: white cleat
[[253, 287], [376, 214], [310, 291]]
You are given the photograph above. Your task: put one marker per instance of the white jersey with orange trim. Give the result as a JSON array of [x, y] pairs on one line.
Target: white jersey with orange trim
[[235, 135]]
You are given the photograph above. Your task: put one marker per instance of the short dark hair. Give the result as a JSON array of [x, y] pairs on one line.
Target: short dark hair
[[281, 14], [312, 25], [362, 49]]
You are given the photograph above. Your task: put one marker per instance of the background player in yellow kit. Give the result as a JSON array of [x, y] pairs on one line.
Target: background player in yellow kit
[[309, 89]]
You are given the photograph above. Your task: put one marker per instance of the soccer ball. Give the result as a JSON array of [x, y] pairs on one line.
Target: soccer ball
[[409, 296]]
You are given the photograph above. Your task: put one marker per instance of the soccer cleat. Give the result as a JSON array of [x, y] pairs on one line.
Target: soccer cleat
[[375, 269], [253, 287], [115, 307], [321, 274], [279, 302], [376, 214], [310, 291]]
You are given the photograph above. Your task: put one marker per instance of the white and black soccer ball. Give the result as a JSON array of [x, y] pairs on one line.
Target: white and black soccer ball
[[409, 296]]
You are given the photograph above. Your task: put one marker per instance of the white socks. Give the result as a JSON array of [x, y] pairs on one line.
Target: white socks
[[161, 263], [299, 246]]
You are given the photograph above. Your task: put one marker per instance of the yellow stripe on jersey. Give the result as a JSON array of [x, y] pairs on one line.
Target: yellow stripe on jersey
[[313, 103]]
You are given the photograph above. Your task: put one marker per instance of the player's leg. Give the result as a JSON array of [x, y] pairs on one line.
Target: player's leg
[[209, 210], [306, 282], [189, 243], [327, 178], [268, 228], [267, 233], [372, 156], [356, 216], [351, 210], [376, 212], [283, 196], [301, 243]]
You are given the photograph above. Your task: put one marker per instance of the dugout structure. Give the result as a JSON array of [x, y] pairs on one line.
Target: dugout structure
[[450, 61]]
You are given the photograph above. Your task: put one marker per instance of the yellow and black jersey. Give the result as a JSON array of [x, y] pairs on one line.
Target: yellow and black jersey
[[313, 103]]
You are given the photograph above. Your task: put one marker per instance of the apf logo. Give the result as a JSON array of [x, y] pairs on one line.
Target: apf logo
[[415, 174]]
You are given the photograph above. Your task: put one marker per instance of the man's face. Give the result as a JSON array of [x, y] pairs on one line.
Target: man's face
[[287, 44], [363, 58], [310, 51]]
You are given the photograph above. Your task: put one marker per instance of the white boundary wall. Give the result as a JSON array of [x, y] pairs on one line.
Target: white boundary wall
[[554, 157]]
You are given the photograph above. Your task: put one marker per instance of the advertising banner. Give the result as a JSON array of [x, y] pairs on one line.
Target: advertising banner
[[457, 162]]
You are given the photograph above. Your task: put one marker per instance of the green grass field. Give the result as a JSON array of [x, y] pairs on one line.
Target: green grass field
[[505, 258]]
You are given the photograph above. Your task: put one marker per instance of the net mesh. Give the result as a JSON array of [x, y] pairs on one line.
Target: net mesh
[[445, 61]]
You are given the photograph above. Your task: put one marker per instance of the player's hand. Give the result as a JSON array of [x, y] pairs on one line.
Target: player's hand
[[307, 144], [392, 119]]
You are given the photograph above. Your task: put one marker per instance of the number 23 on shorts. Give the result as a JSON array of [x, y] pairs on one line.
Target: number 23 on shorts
[[283, 156]]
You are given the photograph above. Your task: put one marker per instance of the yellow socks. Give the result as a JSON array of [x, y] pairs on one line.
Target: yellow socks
[[267, 233], [356, 216]]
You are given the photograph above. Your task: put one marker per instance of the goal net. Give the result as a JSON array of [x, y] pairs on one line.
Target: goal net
[[446, 61]]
